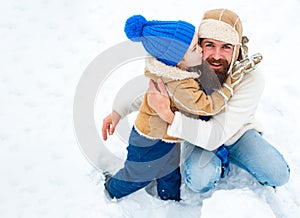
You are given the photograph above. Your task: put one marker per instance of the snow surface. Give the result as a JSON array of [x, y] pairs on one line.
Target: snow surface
[[45, 47]]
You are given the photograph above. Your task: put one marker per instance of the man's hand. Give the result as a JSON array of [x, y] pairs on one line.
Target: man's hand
[[158, 100], [109, 124]]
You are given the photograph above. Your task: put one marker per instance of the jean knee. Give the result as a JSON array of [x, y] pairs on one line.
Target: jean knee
[[278, 178], [203, 179], [261, 159]]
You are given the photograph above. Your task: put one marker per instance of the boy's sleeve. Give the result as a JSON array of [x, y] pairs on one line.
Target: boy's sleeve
[[130, 96], [188, 97]]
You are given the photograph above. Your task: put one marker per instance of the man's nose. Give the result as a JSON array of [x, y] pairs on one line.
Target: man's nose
[[217, 54]]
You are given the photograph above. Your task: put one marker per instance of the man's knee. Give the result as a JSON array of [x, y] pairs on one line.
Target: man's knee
[[199, 185], [256, 155], [280, 176], [202, 180]]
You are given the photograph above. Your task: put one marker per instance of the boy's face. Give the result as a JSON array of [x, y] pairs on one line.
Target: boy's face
[[193, 56]]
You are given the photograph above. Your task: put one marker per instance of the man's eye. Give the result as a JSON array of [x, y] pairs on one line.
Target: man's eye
[[227, 47], [209, 45]]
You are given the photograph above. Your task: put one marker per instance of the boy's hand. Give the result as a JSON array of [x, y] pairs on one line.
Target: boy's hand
[[158, 100], [109, 124]]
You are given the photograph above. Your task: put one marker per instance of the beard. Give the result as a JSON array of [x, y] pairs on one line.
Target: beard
[[209, 78], [222, 72]]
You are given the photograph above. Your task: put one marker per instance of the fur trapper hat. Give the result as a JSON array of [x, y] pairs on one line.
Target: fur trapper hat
[[223, 25]]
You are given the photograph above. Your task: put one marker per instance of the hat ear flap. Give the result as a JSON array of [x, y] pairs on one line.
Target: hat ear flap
[[243, 49]]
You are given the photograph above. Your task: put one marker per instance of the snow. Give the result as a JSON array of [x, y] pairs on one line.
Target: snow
[[45, 48], [223, 200]]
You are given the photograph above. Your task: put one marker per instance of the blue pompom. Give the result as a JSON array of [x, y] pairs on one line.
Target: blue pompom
[[134, 27]]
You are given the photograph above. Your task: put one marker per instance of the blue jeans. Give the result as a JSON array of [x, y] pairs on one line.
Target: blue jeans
[[202, 168]]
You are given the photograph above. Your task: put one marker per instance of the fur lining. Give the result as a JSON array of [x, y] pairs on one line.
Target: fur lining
[[160, 69], [152, 138], [218, 30]]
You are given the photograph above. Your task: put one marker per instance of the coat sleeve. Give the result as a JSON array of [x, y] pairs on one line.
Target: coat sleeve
[[188, 97], [222, 127], [130, 96]]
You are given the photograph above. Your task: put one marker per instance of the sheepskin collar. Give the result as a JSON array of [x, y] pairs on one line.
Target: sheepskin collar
[[172, 72]]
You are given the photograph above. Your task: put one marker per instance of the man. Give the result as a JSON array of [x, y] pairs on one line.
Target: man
[[220, 36]]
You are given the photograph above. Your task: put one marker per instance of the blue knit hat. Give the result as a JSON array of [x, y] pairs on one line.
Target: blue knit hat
[[168, 41]]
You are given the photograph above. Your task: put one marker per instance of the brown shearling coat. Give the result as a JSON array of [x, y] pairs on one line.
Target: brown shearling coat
[[185, 94]]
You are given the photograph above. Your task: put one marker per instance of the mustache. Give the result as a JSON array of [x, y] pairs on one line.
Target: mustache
[[221, 73], [222, 62]]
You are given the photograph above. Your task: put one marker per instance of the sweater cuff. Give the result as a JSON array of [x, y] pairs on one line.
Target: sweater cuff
[[175, 129]]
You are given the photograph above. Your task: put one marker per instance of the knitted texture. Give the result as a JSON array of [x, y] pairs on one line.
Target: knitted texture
[[168, 41]]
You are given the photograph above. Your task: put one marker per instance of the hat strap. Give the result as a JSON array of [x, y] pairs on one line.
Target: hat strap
[[233, 58]]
